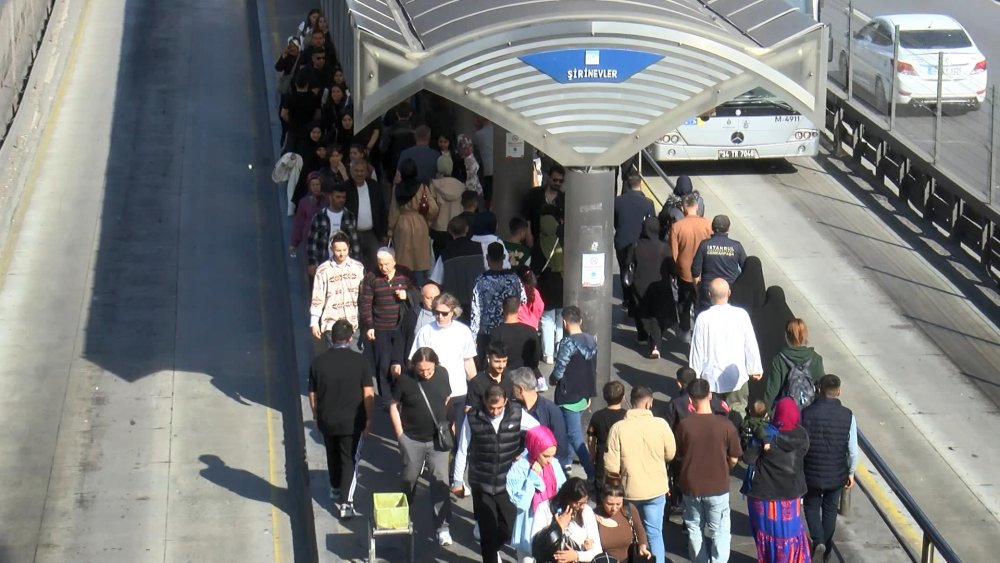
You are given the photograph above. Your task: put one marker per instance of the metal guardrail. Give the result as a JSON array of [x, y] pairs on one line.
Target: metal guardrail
[[932, 542], [952, 183]]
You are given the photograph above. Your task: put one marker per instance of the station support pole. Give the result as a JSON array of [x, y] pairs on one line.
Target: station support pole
[[512, 170], [588, 243]]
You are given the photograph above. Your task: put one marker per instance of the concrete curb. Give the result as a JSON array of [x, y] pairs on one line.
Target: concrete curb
[[24, 137]]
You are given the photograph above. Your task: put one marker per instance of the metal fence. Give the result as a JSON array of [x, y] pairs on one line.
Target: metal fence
[[921, 96], [22, 24]]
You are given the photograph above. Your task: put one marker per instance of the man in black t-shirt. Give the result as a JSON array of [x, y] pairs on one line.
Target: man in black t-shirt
[[521, 340], [600, 426], [342, 396], [495, 372], [420, 399]]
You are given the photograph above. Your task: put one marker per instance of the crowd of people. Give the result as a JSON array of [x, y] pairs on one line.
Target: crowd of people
[[425, 313]]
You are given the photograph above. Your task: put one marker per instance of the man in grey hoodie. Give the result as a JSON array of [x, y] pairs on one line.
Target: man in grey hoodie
[[575, 377]]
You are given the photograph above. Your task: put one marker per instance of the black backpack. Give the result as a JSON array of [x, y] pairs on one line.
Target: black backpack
[[799, 384]]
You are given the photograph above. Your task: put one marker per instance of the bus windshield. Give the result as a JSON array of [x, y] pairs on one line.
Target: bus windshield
[[760, 98]]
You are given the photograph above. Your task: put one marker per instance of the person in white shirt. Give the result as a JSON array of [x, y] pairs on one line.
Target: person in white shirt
[[368, 204], [570, 509], [335, 290], [724, 348], [455, 346]]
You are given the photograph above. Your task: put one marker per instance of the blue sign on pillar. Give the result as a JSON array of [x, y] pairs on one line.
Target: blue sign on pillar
[[570, 66]]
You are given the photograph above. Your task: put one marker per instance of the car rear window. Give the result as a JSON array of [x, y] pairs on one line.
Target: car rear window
[[935, 39]]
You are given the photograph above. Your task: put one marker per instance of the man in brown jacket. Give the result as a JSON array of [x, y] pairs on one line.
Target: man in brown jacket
[[685, 236], [639, 448]]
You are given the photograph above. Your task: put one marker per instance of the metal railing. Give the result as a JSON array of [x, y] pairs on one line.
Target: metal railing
[[949, 124], [932, 542]]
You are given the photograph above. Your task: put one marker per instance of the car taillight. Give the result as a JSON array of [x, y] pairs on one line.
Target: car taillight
[[905, 68], [980, 67]]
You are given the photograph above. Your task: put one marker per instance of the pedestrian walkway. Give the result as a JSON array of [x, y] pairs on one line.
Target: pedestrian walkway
[[862, 535]]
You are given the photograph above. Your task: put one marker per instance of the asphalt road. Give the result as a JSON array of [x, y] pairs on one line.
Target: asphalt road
[[144, 392], [965, 135]]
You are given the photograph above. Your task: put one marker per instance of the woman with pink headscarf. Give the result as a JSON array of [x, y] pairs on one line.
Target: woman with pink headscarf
[[774, 492], [532, 480]]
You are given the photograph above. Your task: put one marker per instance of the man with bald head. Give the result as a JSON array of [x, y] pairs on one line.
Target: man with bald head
[[724, 348]]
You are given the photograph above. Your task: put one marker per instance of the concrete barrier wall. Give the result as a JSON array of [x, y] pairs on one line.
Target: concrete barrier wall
[[22, 25]]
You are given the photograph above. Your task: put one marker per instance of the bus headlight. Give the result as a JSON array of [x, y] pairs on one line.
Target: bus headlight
[[670, 139], [804, 135]]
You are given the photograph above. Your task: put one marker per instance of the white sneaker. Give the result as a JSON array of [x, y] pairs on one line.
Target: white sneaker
[[467, 492], [541, 385], [444, 537], [475, 531], [548, 360]]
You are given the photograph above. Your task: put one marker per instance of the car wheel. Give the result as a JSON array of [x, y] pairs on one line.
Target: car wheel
[[843, 68], [881, 99]]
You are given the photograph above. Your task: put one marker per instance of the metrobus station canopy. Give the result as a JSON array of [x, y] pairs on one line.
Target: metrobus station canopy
[[588, 82]]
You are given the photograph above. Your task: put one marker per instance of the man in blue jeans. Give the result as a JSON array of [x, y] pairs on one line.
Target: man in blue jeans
[[708, 447], [639, 448], [575, 377]]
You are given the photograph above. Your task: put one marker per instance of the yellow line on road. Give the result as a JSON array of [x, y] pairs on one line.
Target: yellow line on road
[[880, 497], [272, 446], [6, 255]]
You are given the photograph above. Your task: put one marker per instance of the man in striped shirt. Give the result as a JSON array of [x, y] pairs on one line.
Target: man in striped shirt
[[385, 295]]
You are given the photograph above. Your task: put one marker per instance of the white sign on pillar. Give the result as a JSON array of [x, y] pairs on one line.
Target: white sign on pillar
[[515, 146], [593, 270]]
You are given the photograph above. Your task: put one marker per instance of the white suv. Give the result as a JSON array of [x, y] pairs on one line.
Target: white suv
[[921, 38]]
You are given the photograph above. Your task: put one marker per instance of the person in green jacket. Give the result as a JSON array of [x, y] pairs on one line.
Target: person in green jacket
[[797, 337]]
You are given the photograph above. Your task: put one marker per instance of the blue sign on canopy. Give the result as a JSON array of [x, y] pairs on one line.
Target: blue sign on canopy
[[570, 66]]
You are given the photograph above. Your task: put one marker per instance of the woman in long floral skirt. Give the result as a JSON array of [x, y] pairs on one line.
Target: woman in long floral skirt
[[774, 488]]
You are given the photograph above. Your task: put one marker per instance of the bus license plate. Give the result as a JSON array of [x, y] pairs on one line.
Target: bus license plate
[[737, 154]]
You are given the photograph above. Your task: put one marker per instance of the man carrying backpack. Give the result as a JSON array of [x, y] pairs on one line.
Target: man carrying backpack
[[796, 370]]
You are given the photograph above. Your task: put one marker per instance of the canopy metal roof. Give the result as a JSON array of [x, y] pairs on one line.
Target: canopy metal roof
[[589, 82]]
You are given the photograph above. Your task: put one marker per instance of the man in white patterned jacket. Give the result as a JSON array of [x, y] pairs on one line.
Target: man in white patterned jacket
[[335, 290]]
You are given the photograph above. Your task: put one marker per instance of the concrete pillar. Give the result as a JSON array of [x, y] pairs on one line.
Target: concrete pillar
[[511, 179], [588, 243]]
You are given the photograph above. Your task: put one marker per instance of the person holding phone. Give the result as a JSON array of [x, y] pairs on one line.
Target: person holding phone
[[569, 512]]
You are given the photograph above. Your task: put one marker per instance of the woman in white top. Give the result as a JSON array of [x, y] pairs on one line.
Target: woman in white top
[[570, 511]]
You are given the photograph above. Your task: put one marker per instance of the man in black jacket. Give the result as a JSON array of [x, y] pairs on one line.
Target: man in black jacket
[[717, 257], [490, 441], [367, 204], [631, 209], [830, 462], [459, 265]]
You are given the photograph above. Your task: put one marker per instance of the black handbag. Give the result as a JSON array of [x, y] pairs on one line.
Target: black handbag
[[443, 441], [633, 549]]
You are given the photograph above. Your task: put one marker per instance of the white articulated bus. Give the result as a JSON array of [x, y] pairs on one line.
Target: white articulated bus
[[755, 125]]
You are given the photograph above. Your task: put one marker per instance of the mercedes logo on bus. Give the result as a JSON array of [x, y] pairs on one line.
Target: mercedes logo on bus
[[737, 138]]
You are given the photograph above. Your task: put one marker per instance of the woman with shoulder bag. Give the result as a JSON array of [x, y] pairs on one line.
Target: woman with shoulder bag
[[620, 527], [413, 208], [420, 402], [568, 519]]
